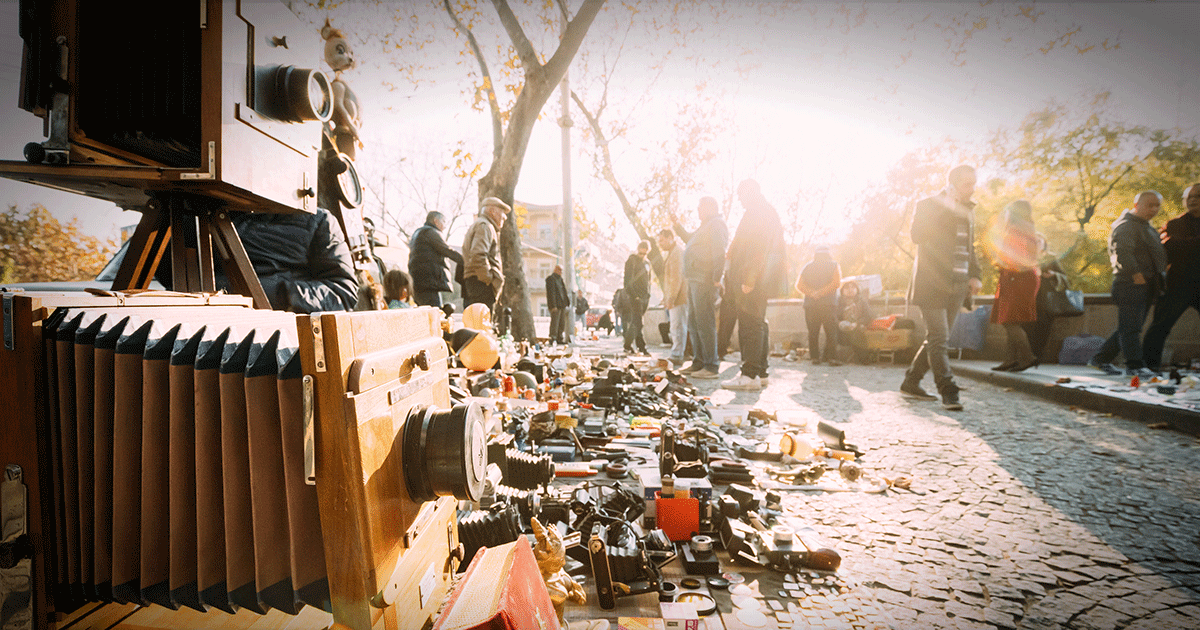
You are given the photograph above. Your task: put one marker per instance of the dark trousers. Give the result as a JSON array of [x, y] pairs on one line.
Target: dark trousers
[[1167, 311], [558, 325], [1039, 331], [428, 298], [932, 355], [819, 316], [751, 323], [633, 324], [475, 291], [727, 317], [1133, 303], [702, 324]]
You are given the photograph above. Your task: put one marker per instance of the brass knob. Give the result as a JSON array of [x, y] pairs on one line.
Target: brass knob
[[421, 360]]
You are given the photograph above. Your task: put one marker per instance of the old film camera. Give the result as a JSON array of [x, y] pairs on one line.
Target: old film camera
[[188, 459]]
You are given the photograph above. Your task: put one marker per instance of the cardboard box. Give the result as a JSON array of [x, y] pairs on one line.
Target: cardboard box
[[887, 339], [679, 616], [639, 623]]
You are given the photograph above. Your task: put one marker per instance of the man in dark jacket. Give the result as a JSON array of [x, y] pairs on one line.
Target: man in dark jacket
[[757, 272], [581, 309], [703, 265], [558, 302], [1139, 265], [428, 261], [1181, 240], [946, 274], [637, 297], [301, 260]]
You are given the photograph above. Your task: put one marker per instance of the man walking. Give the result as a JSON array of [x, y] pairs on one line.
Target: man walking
[[1181, 240], [946, 274], [757, 272], [1139, 265], [428, 256], [558, 302], [674, 294], [637, 297], [483, 276], [703, 266]]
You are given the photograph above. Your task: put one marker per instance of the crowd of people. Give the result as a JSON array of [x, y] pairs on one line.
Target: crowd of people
[[711, 282]]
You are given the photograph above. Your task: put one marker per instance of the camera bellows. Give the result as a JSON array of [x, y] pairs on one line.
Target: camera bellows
[[526, 471]]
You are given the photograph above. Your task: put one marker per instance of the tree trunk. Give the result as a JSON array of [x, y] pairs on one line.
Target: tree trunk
[[501, 179]]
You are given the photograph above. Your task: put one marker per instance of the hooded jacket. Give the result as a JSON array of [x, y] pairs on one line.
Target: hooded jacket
[[300, 259]]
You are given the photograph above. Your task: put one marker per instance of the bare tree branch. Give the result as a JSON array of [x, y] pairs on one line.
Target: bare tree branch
[[573, 38], [606, 169], [488, 85], [516, 34]]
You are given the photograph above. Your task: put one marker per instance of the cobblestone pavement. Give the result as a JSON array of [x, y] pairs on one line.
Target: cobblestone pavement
[[1024, 513]]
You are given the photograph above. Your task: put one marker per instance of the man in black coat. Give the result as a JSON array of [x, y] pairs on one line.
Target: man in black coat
[[581, 309], [946, 274], [637, 297], [558, 301], [428, 256]]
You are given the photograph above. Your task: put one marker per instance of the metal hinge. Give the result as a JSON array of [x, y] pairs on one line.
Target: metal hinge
[[9, 336], [310, 441], [318, 342]]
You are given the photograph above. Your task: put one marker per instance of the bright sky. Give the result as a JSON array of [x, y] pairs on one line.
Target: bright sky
[[815, 106]]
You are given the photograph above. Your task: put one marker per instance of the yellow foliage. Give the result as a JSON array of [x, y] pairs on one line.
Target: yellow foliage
[[36, 247]]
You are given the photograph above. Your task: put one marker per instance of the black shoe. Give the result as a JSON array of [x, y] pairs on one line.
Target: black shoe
[[914, 390], [1025, 365], [1006, 366], [950, 400]]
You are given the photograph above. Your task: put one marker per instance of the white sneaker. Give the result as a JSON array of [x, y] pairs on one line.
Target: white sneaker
[[743, 382]]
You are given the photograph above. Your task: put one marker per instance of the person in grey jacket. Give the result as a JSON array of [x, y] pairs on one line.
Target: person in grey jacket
[[703, 265], [946, 274], [1139, 266], [483, 272]]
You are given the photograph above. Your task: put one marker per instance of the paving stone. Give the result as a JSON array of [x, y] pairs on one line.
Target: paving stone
[[964, 611], [999, 618]]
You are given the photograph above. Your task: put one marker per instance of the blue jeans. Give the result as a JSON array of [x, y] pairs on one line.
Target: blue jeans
[[939, 319], [1133, 303], [702, 324], [679, 332]]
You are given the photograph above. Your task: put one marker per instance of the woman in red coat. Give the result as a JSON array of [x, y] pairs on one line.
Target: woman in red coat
[[1015, 243]]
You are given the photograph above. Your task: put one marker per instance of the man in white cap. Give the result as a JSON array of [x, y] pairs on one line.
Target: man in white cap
[[483, 277]]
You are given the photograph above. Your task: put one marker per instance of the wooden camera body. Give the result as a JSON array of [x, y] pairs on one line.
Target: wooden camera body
[[186, 461], [220, 98]]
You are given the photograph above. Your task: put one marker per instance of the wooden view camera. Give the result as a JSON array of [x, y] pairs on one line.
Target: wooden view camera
[[186, 460]]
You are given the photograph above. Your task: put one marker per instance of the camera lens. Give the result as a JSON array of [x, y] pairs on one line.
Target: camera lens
[[445, 452]]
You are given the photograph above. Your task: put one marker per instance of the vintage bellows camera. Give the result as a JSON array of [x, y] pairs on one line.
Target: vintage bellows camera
[[184, 111], [220, 98], [176, 458]]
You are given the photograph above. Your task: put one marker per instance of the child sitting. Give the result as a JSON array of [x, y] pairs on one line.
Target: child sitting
[[396, 289]]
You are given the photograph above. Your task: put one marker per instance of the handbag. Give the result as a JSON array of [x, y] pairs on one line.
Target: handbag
[[969, 331], [1062, 303]]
